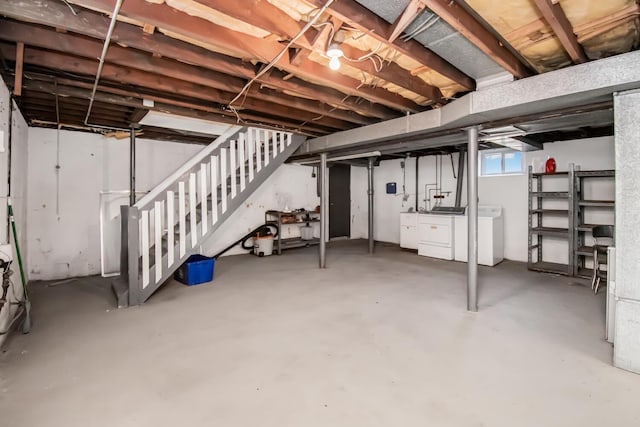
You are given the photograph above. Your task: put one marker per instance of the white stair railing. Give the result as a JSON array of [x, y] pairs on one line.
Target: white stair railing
[[172, 221]]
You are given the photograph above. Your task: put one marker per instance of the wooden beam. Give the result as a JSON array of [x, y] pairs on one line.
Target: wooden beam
[[92, 24], [368, 22], [408, 15], [319, 43], [561, 26], [170, 19], [132, 97], [463, 22], [137, 115], [90, 48], [165, 84], [268, 17], [17, 86]]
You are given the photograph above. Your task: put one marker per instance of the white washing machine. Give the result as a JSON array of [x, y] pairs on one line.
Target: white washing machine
[[435, 235], [490, 236]]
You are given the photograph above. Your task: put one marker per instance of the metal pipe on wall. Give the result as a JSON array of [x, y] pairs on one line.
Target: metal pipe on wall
[[472, 212], [417, 179], [324, 190], [132, 167], [370, 193], [460, 177]]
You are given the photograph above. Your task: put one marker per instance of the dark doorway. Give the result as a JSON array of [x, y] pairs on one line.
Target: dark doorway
[[339, 201]]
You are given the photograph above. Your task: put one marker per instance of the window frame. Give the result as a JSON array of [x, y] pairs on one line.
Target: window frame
[[502, 152]]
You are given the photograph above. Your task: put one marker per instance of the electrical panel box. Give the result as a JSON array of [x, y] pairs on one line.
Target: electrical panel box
[[391, 188]]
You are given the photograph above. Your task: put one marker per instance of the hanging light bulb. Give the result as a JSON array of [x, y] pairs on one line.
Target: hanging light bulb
[[334, 63], [334, 52]]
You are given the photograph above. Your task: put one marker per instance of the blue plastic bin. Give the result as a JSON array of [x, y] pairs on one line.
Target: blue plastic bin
[[196, 269]]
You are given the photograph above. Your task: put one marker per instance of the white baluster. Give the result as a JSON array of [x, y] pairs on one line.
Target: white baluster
[[258, 151], [289, 139], [266, 147], [274, 139], [144, 228], [241, 161], [157, 229], [170, 228], [250, 151], [182, 221], [193, 200], [214, 189], [232, 167], [203, 198], [223, 179], [281, 138]]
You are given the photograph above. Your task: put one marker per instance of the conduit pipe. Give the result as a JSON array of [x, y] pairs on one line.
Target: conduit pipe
[[324, 209], [460, 177], [370, 194], [105, 48]]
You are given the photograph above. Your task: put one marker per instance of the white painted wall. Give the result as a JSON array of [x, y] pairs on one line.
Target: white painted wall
[[67, 244], [63, 238], [510, 192], [18, 195], [289, 186]]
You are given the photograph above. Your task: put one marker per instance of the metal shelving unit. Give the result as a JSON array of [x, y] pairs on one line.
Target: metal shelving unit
[[301, 217], [577, 229], [538, 212], [582, 229]]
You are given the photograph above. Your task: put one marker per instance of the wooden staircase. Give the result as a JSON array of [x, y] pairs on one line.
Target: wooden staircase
[[173, 220]]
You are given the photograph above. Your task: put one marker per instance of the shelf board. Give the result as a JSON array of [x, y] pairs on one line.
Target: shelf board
[[596, 174], [550, 211], [273, 221], [296, 242], [557, 173], [549, 267], [587, 251], [550, 194], [597, 203], [588, 227], [550, 231]]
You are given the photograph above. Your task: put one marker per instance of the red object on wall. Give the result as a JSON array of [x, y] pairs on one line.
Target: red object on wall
[[550, 166]]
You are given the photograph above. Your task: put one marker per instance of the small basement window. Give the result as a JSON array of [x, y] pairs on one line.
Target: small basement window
[[501, 161]]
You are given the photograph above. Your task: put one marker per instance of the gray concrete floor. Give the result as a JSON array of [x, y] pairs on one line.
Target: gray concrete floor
[[370, 341]]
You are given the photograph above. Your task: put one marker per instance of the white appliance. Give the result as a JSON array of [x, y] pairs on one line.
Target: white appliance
[[490, 236], [435, 236], [409, 230]]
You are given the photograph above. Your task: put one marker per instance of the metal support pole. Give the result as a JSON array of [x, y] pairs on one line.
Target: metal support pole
[[132, 167], [370, 193], [324, 208], [460, 177], [472, 212]]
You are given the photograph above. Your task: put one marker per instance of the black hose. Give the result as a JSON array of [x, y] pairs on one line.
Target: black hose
[[248, 236]]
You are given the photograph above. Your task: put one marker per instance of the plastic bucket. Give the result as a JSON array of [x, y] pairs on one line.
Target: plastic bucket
[[263, 245], [306, 233]]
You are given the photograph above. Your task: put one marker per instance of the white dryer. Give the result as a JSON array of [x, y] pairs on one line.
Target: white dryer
[[490, 236]]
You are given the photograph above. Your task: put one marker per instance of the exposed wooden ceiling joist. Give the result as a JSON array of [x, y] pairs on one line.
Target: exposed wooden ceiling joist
[[17, 86], [131, 97], [555, 16], [159, 82], [92, 24], [369, 23], [268, 17], [127, 57], [408, 15], [167, 18], [463, 22]]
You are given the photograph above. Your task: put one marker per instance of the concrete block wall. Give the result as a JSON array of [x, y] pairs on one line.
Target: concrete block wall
[[627, 323]]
